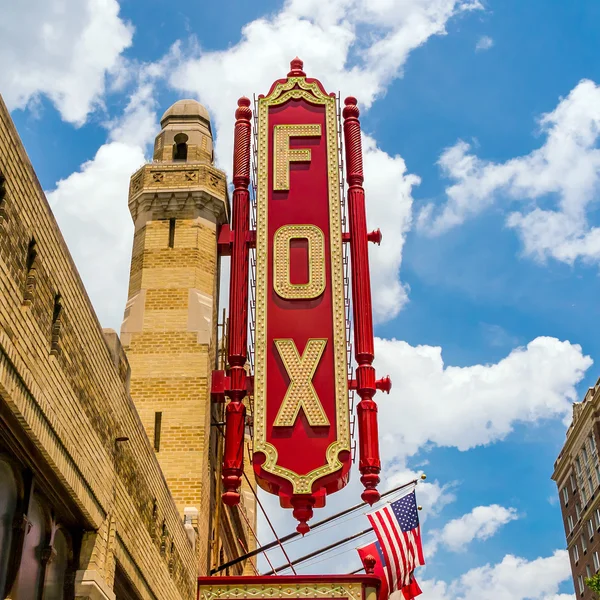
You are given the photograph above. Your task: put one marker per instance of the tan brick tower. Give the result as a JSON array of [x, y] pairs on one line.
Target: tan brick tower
[[169, 330]]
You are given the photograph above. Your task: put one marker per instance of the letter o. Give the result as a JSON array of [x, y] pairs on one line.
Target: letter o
[[316, 262]]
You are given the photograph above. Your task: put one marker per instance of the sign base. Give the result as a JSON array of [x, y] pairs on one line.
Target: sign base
[[286, 587]]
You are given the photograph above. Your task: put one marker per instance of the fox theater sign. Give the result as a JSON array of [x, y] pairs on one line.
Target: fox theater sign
[[302, 448]]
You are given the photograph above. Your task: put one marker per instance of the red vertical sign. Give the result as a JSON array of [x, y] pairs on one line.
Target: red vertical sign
[[301, 429]]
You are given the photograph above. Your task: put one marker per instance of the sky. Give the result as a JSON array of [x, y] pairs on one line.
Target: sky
[[481, 126]]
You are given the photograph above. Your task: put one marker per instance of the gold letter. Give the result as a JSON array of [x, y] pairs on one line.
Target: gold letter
[[284, 155], [316, 262], [301, 393]]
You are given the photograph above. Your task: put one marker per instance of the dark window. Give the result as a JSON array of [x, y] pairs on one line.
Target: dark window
[[31, 254], [157, 426], [172, 232], [30, 276], [180, 151], [8, 505], [29, 579], [56, 325], [180, 148], [2, 198], [56, 570]]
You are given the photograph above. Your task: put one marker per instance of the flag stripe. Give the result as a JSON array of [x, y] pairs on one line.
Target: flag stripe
[[397, 528], [382, 560], [391, 558], [410, 543], [419, 546], [388, 568], [399, 546]]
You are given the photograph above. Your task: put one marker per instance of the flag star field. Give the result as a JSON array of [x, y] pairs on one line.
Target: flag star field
[[481, 128]]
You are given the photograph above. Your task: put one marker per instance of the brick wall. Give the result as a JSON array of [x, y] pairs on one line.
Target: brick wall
[[61, 381]]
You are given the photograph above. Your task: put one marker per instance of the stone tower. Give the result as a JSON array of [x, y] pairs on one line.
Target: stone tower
[[169, 331]]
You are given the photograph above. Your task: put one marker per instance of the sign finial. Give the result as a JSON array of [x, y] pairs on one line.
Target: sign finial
[[296, 66]]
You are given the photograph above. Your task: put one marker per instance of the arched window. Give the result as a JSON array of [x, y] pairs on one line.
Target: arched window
[[54, 582], [30, 573], [8, 504], [180, 147]]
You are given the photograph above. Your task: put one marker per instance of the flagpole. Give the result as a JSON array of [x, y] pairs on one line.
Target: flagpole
[[295, 534], [320, 551]]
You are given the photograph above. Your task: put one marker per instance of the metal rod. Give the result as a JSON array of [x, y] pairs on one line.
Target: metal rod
[[295, 534], [320, 551], [254, 552], [277, 540]]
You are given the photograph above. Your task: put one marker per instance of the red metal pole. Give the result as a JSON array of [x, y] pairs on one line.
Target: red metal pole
[[235, 413], [366, 386]]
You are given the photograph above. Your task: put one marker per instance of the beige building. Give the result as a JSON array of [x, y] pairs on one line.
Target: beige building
[[109, 465], [577, 475]]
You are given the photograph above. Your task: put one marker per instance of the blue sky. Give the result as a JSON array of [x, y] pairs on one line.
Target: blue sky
[[482, 169]]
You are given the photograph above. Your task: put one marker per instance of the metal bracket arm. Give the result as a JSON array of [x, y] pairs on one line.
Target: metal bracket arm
[[221, 386], [225, 240], [374, 236]]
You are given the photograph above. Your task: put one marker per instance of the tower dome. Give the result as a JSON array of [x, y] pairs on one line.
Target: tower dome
[[185, 110], [186, 134]]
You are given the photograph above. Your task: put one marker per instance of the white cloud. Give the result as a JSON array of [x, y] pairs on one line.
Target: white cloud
[[63, 50], [91, 209], [470, 406], [485, 42], [480, 524], [358, 46], [91, 204], [388, 191], [513, 578], [566, 168]]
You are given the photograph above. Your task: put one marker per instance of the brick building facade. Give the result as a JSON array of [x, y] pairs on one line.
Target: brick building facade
[[85, 509], [577, 476]]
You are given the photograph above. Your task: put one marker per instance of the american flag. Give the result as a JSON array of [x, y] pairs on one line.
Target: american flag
[[380, 569], [397, 528]]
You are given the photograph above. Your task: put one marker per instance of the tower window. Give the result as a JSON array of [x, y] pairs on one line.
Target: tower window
[[171, 233], [157, 426], [180, 148]]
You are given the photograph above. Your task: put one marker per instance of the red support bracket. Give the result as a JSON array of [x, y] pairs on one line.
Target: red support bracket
[[225, 241], [373, 236], [384, 384], [221, 385]]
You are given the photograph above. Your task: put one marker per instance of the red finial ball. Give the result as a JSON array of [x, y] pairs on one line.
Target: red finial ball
[[370, 562], [243, 111], [230, 498], [384, 384], [296, 67], [351, 108], [303, 528], [370, 496]]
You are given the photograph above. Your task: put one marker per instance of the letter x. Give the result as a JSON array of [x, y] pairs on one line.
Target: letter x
[[301, 392]]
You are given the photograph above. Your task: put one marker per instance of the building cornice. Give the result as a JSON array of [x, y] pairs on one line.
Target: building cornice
[[585, 413]]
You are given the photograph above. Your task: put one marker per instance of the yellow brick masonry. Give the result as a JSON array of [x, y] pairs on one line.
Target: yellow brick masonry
[[170, 337], [73, 406]]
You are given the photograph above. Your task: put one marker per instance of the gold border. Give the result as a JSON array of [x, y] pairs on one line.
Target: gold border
[[298, 88], [352, 591]]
